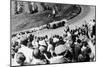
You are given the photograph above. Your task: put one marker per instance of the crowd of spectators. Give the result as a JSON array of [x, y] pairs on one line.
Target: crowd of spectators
[[76, 45]]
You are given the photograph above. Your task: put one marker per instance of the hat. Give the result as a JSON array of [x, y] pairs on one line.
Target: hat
[[60, 49]]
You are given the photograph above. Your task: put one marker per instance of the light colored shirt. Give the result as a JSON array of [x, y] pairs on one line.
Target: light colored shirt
[[35, 44], [27, 52], [55, 39]]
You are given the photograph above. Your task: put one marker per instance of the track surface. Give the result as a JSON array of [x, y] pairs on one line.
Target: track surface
[[87, 12]]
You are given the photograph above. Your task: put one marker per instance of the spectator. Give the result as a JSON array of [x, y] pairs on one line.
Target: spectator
[[20, 58]]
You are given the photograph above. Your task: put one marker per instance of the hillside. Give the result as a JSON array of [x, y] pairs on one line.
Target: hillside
[[27, 20]]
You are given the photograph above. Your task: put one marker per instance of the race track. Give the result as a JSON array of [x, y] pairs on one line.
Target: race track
[[87, 12]]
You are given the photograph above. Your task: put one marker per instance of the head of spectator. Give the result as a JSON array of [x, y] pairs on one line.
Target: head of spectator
[[37, 54], [29, 44], [35, 44], [16, 48], [15, 44], [43, 49], [20, 58], [24, 41], [30, 37]]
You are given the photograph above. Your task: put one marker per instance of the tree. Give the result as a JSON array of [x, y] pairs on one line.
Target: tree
[[27, 7], [13, 7]]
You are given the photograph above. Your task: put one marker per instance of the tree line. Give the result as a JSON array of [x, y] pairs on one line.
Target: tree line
[[18, 7]]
